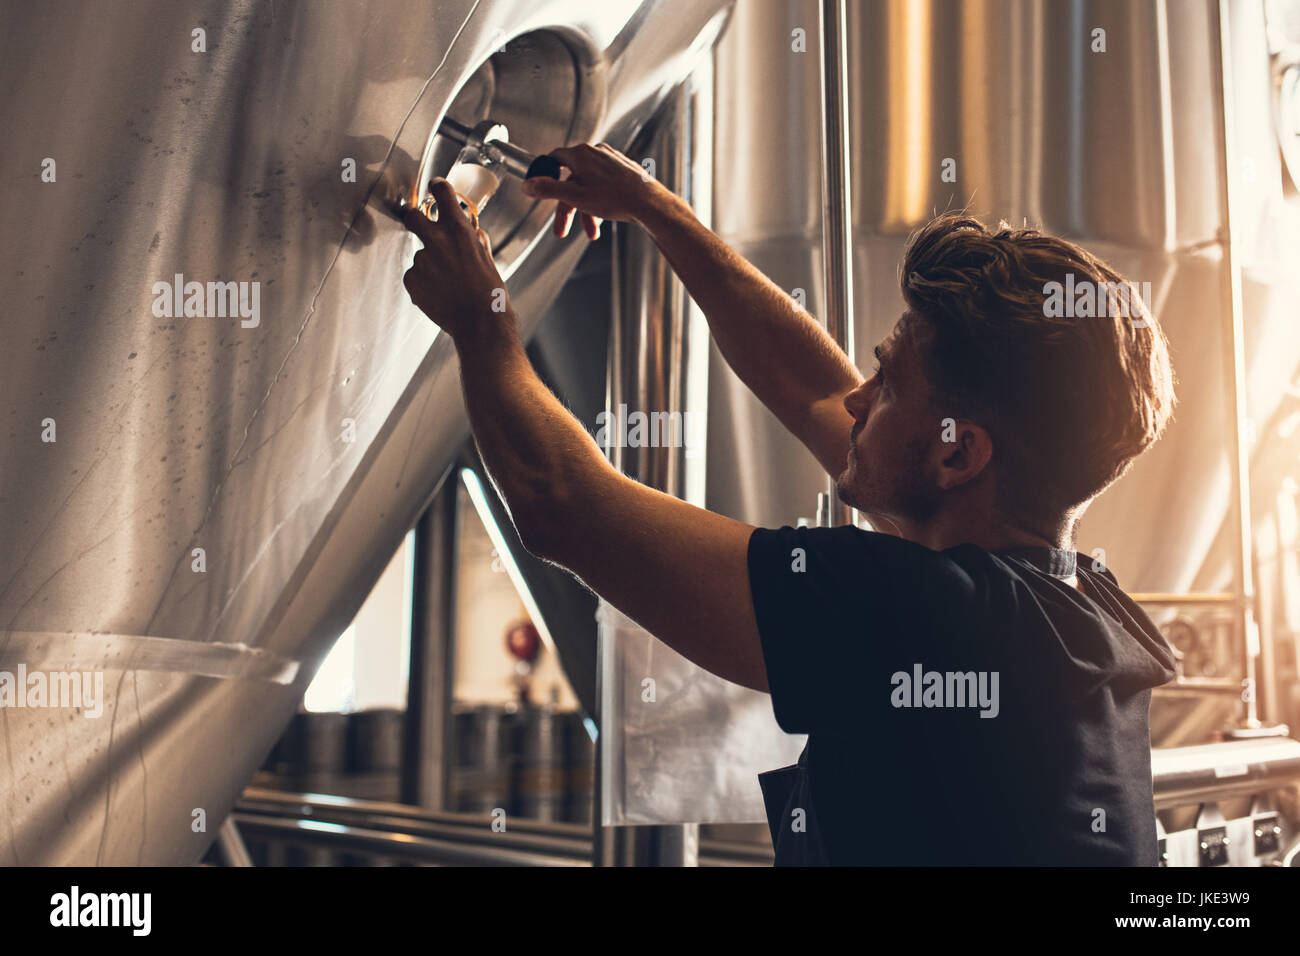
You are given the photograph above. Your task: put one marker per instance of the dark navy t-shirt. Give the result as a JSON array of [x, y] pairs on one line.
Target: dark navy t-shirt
[[962, 706]]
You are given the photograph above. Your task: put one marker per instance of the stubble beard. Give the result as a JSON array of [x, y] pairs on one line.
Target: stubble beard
[[906, 495]]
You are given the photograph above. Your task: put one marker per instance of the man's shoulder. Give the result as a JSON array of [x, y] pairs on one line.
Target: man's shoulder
[[843, 567], [850, 540]]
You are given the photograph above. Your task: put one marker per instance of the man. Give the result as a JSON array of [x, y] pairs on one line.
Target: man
[[974, 693]]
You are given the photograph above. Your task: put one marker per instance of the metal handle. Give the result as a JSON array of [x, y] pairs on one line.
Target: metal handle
[[492, 141]]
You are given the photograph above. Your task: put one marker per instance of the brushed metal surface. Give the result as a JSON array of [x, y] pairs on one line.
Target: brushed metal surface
[[294, 451]]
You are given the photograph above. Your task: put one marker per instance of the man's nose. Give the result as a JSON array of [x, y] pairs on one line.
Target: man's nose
[[858, 401]]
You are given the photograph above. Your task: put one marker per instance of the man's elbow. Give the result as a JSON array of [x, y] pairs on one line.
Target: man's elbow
[[553, 516], [543, 527]]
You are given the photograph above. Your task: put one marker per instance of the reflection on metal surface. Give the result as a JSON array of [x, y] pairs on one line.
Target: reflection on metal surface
[[221, 484], [99, 652]]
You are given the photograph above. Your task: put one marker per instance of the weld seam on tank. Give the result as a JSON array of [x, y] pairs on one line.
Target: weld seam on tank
[[68, 651]]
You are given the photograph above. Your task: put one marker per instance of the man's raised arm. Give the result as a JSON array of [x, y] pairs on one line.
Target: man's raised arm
[[779, 351], [679, 571]]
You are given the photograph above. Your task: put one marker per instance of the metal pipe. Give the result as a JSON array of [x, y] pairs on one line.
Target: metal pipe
[[1187, 775], [378, 814], [408, 846], [470, 830], [837, 200], [231, 845], [429, 742], [492, 140], [1234, 320], [455, 131], [568, 840]]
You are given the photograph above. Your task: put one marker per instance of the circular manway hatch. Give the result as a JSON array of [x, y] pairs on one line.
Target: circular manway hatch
[[544, 88]]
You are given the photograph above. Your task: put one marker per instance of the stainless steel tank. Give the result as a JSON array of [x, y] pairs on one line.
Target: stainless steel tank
[[1111, 149], [194, 505]]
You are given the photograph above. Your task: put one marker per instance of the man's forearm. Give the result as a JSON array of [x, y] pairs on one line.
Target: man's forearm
[[538, 455], [778, 349]]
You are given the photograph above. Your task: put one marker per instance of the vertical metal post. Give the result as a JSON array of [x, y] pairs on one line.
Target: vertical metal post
[[427, 748], [1234, 324], [837, 203]]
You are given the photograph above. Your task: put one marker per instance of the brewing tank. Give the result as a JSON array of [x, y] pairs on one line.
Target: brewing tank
[[221, 410], [1016, 110]]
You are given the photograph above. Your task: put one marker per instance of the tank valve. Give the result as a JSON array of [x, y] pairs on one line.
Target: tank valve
[[487, 154]]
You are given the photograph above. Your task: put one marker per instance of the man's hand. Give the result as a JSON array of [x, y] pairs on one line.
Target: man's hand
[[454, 280], [603, 184]]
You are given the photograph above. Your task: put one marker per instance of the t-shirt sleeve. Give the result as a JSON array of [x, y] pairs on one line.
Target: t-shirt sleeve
[[841, 609]]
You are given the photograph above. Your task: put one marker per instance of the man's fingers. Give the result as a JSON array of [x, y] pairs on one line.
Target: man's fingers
[[411, 279], [419, 224], [575, 157], [449, 210], [485, 241], [591, 225], [544, 187], [449, 213], [563, 219]]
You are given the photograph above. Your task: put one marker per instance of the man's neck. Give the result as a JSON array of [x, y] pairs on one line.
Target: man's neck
[[940, 535]]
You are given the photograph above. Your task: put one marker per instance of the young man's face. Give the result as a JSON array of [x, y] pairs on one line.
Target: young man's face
[[894, 430]]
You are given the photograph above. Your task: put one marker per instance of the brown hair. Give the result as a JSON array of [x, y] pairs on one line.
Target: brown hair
[[1068, 401]]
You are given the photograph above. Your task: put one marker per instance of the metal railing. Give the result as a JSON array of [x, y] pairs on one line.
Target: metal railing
[[410, 834]]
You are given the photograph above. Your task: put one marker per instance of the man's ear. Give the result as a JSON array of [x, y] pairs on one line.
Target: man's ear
[[962, 453]]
